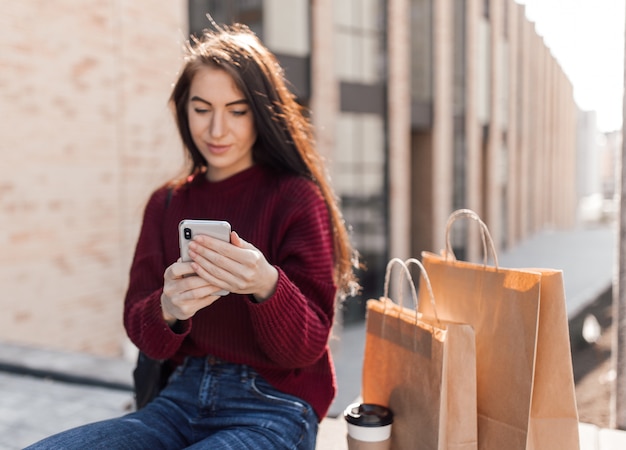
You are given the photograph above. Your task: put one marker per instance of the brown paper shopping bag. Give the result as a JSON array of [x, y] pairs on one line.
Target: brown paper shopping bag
[[423, 370], [525, 386]]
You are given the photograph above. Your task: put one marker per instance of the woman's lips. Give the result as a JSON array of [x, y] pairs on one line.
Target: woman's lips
[[218, 149]]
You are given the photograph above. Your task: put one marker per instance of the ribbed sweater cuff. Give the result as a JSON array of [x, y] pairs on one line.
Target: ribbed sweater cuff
[[168, 339]]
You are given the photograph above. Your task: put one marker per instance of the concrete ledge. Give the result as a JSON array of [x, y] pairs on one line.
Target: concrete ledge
[[611, 439], [70, 367], [332, 434], [594, 438], [589, 439], [89, 370]]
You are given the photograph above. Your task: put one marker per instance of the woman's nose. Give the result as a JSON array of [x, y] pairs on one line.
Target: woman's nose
[[217, 126]]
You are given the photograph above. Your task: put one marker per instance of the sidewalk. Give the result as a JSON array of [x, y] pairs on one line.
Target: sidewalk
[[44, 392]]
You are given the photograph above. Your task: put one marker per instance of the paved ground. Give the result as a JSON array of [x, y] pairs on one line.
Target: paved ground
[[81, 388], [33, 408], [44, 392]]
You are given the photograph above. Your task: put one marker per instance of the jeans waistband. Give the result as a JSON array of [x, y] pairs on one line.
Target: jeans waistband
[[215, 361], [212, 362]]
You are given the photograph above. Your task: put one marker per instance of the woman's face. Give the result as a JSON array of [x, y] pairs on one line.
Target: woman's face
[[221, 123]]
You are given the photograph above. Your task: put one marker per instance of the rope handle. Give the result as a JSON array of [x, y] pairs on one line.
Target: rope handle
[[392, 262], [485, 235], [406, 272], [429, 286]]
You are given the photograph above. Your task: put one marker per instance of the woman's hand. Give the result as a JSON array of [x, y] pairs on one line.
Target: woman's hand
[[184, 294], [237, 266]]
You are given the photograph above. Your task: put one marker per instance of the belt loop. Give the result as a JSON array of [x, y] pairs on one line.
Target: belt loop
[[246, 373], [188, 362]]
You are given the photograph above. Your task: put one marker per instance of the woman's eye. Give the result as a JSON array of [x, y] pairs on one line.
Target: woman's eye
[[239, 113], [200, 110]]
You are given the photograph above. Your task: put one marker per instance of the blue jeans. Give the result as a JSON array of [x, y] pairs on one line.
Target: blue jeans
[[208, 404]]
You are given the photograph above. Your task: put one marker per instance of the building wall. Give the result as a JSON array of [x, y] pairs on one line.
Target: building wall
[[86, 136], [517, 126], [443, 126], [324, 84], [399, 127]]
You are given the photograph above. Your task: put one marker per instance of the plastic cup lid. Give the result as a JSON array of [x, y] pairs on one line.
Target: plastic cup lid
[[368, 415]]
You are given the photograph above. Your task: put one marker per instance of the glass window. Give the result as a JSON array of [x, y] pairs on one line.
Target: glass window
[[358, 169], [359, 159], [249, 12], [503, 61], [483, 89], [421, 51], [286, 26], [359, 30], [358, 163]]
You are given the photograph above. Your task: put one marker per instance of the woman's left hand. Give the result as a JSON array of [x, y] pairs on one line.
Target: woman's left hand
[[237, 266]]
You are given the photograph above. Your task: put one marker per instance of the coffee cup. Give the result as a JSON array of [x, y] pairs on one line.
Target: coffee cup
[[369, 426]]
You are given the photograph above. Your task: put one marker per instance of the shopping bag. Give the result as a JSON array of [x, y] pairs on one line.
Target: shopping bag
[[525, 386], [423, 370]]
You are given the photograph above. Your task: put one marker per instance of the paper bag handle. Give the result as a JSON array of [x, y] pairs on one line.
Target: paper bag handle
[[406, 272], [485, 235], [428, 285], [392, 262]]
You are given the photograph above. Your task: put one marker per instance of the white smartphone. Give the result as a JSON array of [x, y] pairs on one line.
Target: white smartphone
[[188, 228]]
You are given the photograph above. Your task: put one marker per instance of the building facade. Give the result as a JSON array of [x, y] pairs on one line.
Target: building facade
[[86, 136], [420, 107], [494, 126]]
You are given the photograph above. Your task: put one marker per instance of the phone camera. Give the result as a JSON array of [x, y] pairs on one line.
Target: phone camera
[[187, 233]]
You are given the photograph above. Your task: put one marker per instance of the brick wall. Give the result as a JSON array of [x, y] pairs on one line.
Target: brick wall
[[86, 136]]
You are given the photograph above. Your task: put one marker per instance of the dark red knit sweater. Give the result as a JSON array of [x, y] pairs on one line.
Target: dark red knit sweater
[[284, 338]]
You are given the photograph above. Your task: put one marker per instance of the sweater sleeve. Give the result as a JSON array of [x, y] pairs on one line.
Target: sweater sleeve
[[294, 324], [143, 318]]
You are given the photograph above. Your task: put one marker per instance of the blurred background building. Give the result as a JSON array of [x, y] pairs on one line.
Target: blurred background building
[[421, 107]]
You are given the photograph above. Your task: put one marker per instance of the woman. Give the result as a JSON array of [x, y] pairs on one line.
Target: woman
[[253, 369]]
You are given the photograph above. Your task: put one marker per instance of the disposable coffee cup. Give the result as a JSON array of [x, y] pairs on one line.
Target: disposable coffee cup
[[369, 426]]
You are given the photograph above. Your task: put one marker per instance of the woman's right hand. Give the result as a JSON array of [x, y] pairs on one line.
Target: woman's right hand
[[184, 293]]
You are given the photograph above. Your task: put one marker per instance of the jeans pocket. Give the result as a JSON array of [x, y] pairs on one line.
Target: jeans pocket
[[265, 391], [293, 412]]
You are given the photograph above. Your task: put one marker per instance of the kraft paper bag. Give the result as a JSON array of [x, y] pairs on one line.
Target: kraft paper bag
[[424, 371], [525, 385]]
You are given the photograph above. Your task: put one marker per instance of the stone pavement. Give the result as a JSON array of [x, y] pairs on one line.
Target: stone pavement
[[43, 392], [33, 408]]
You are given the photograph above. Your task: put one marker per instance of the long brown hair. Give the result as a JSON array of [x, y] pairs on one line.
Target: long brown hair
[[285, 139]]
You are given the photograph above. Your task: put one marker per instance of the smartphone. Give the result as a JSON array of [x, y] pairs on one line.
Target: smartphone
[[188, 228]]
